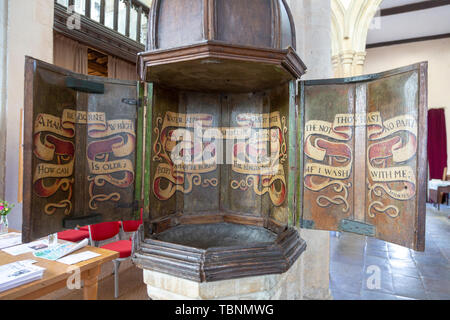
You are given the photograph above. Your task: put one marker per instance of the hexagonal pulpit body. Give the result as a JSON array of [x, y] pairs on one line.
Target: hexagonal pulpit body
[[220, 45], [224, 122]]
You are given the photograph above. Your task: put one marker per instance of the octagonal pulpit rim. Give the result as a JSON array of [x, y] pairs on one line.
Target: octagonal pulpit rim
[[265, 68], [220, 263]]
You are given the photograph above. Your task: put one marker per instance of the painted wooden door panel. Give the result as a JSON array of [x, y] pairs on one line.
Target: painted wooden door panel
[[79, 150], [364, 155], [234, 166]]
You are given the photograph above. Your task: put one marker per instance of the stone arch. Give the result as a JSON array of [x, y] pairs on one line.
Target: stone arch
[[350, 24]]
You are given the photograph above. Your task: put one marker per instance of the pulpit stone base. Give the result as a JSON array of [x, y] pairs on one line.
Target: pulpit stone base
[[286, 286]]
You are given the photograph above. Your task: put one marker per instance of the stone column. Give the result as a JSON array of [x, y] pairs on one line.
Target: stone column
[[3, 48], [313, 27], [351, 20], [30, 32], [347, 62], [358, 63]]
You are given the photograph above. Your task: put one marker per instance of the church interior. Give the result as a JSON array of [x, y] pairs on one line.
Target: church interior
[[225, 149]]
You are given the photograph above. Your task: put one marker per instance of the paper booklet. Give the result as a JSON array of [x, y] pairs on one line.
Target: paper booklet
[[19, 273], [26, 248], [78, 257], [60, 250], [10, 239]]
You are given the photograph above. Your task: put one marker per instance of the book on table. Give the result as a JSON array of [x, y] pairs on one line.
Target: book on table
[[10, 239], [60, 250], [18, 273]]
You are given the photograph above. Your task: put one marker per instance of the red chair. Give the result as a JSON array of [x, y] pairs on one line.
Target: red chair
[[110, 230], [130, 226], [73, 235]]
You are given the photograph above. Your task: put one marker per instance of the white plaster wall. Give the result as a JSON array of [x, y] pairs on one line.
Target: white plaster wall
[[3, 48], [313, 28], [29, 32], [436, 52]]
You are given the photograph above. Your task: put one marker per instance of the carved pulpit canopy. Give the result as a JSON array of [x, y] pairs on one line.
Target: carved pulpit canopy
[[220, 45]]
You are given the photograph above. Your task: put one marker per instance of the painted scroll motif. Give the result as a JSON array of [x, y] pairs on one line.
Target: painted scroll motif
[[261, 157], [112, 143], [330, 159], [107, 156], [54, 148], [393, 144], [188, 147], [391, 157], [175, 136]]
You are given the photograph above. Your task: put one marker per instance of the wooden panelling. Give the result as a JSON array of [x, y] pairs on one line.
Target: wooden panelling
[[254, 23], [384, 184], [217, 67], [393, 184], [245, 22], [326, 201], [179, 23], [288, 37], [79, 150], [215, 264], [97, 36], [224, 185]]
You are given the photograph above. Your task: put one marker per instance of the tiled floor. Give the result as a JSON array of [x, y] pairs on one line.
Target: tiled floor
[[403, 273]]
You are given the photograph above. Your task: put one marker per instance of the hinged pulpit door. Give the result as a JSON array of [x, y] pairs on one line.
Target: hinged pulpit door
[[364, 155], [80, 161]]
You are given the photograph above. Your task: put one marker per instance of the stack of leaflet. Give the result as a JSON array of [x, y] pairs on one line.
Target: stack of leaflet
[[19, 273], [10, 239]]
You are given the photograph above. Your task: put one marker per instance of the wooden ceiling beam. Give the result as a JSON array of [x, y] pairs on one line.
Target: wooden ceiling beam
[[403, 41], [414, 7]]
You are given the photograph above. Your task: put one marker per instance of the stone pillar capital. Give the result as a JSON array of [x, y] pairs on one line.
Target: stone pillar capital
[[347, 62], [360, 58], [347, 56], [350, 22]]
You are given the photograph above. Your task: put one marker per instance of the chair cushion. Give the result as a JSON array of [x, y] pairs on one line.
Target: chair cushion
[[123, 247], [104, 231], [73, 235], [131, 226]]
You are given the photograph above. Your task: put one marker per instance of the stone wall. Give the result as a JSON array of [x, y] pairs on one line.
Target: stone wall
[[29, 32], [313, 26], [3, 51]]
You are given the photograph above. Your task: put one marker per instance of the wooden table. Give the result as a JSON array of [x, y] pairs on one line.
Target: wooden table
[[436, 195], [57, 274], [441, 190]]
